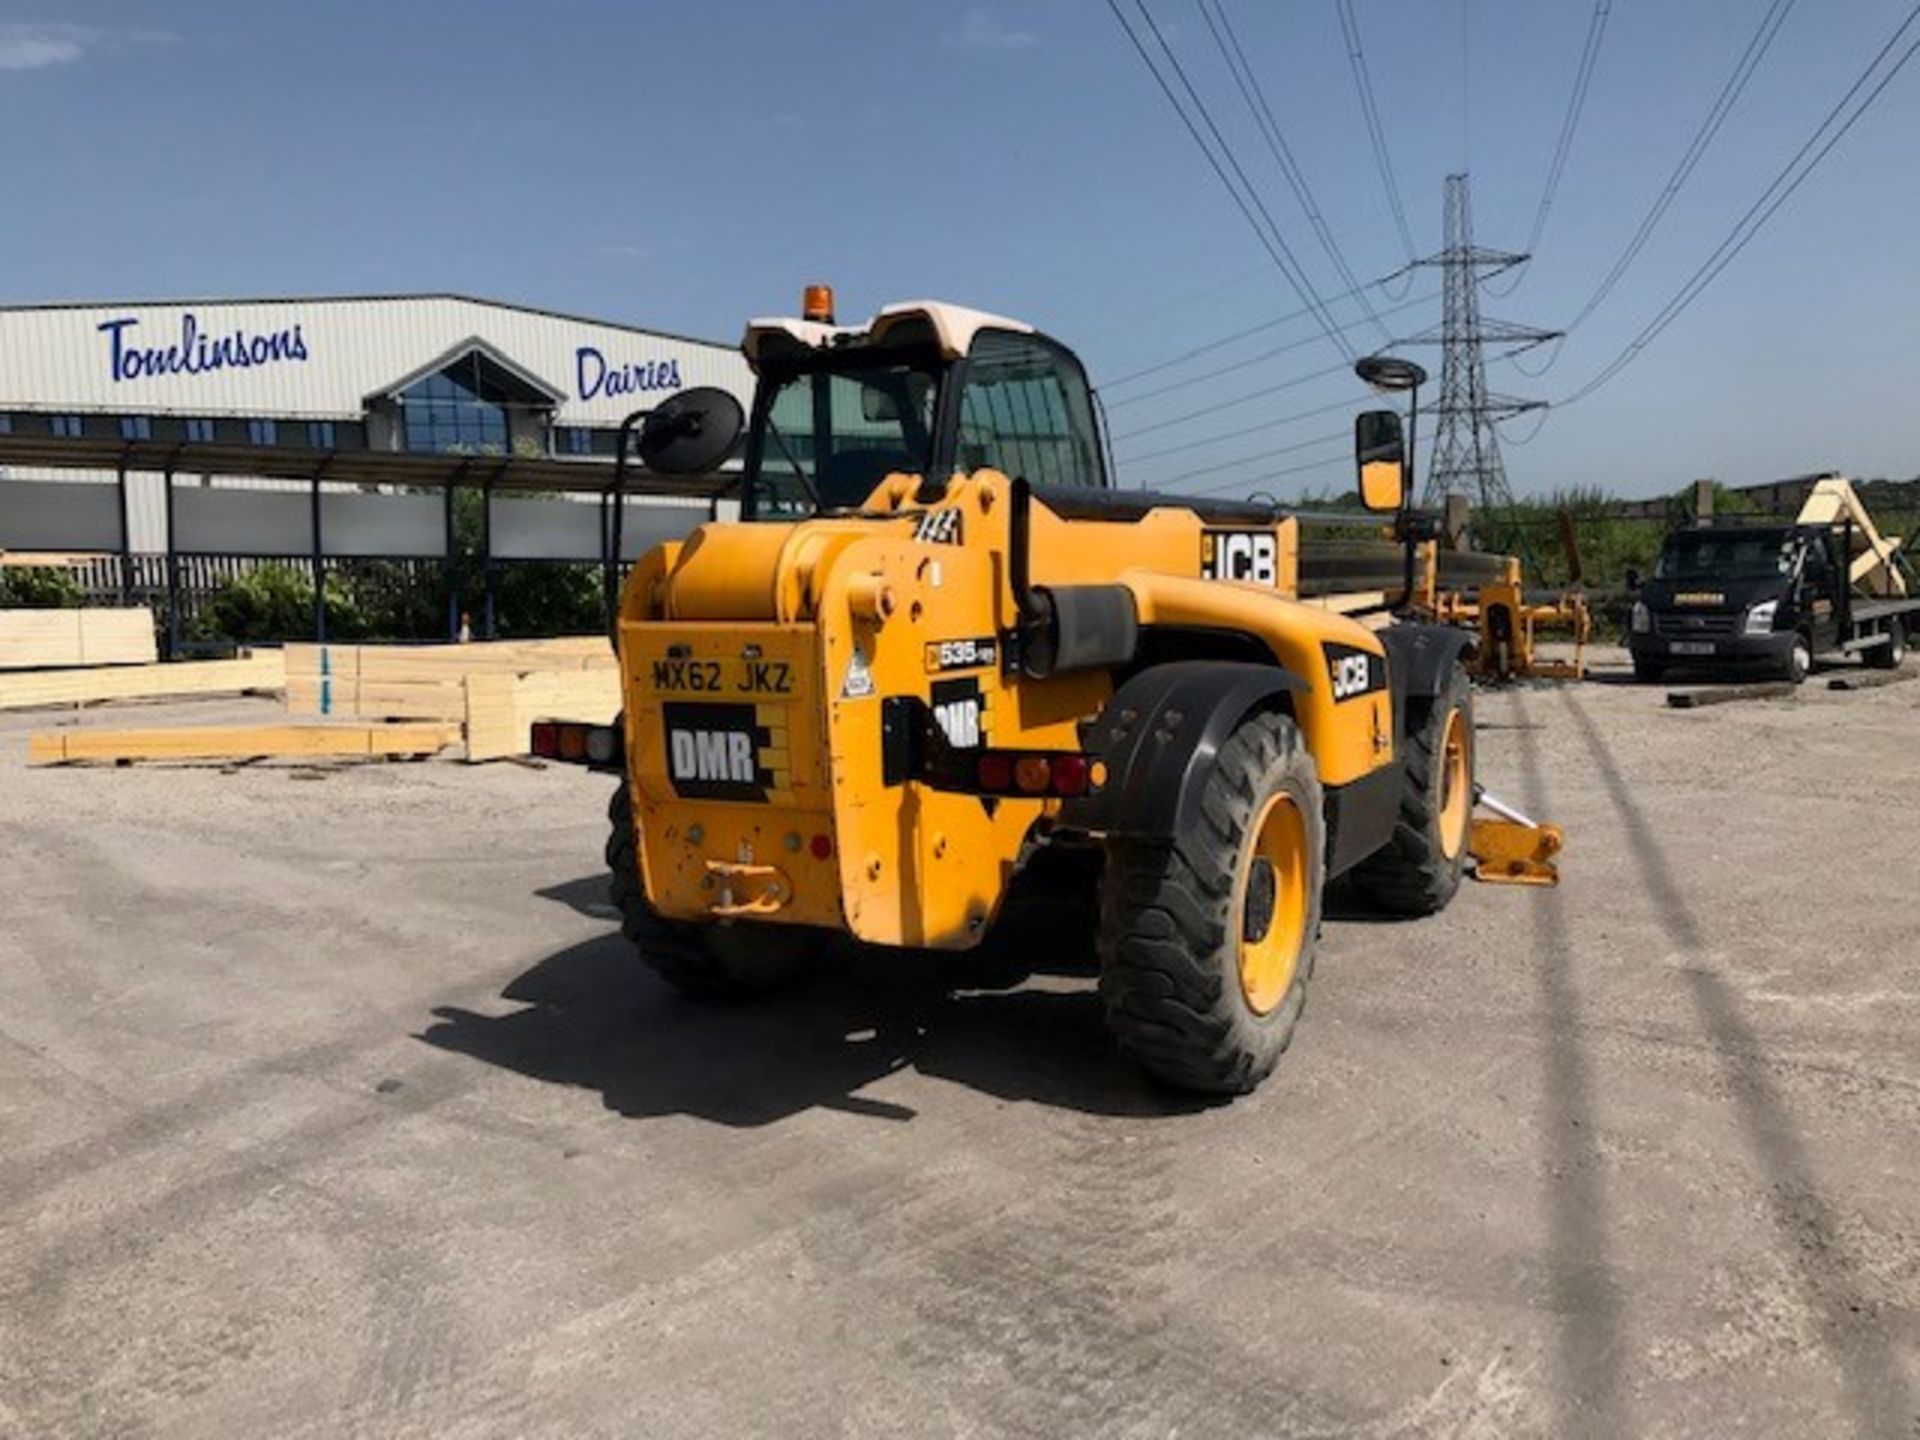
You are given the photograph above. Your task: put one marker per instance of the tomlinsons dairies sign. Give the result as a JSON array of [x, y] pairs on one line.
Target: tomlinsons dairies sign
[[138, 349], [194, 351], [594, 377]]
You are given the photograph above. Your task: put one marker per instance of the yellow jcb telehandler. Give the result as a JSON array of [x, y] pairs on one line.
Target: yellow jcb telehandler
[[938, 644]]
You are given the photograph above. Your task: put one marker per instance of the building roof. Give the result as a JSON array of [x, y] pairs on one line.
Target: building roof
[[473, 344], [369, 299]]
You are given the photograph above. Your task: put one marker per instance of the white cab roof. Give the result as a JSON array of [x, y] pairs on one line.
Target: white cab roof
[[951, 327]]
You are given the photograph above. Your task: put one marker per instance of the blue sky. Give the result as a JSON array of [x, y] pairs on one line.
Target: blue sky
[[687, 165]]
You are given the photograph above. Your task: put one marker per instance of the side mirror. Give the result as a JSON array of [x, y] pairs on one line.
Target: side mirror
[[1380, 450], [1633, 578], [691, 432]]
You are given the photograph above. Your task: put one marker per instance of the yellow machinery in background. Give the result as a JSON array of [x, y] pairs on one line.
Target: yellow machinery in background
[[1506, 620]]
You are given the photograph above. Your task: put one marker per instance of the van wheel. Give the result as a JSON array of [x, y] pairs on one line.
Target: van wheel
[[716, 961], [1799, 661], [1206, 942], [1419, 869], [1648, 672], [1889, 655]]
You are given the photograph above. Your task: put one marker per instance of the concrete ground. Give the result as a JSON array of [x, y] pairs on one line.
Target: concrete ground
[[331, 1104]]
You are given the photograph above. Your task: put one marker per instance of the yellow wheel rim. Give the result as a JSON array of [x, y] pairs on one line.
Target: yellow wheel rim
[[1272, 902], [1456, 783]]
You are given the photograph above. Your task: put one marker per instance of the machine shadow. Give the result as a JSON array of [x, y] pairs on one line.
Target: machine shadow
[[593, 1016]]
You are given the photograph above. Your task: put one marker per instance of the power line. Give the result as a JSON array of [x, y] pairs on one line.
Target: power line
[[1220, 465], [1271, 238], [1376, 135], [1771, 20], [1292, 384], [1341, 404], [1255, 96], [1303, 284], [1576, 102], [1264, 355], [1281, 474], [1770, 200], [1225, 340]]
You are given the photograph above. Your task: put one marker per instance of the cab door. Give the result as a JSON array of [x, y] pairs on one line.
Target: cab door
[[1817, 597]]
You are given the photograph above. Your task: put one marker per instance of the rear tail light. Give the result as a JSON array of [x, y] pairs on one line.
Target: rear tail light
[[1035, 773], [573, 743], [1069, 774]]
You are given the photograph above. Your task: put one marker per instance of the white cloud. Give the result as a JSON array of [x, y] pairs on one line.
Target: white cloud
[[982, 30], [38, 45]]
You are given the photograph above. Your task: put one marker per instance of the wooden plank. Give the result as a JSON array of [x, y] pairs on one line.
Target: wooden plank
[[492, 728], [262, 670], [240, 742], [589, 695], [117, 637], [31, 639], [1872, 679], [339, 662], [406, 664], [1727, 694], [501, 709], [41, 639], [430, 661], [409, 700]]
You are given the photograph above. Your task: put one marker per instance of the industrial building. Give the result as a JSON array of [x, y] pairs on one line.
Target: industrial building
[[161, 448], [344, 377]]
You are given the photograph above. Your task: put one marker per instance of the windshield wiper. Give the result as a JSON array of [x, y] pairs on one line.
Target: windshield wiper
[[805, 480]]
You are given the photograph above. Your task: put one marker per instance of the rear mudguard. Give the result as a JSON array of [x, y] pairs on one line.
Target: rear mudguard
[[1158, 737], [1420, 658]]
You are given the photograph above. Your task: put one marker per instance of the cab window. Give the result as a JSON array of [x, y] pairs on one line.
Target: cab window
[[835, 431], [1025, 411]]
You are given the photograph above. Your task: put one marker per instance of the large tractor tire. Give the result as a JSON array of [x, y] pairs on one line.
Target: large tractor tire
[[1206, 942], [1418, 871], [715, 961]]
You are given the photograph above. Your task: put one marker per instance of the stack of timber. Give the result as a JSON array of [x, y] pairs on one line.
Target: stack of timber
[[261, 670], [44, 639], [495, 690]]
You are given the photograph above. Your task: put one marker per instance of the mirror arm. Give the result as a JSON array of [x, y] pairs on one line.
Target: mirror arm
[[1407, 543], [617, 487]]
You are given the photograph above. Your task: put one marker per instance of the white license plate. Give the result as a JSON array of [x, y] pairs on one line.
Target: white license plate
[[1691, 647]]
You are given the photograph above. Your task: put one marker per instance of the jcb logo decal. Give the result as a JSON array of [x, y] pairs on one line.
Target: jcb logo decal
[[938, 527], [1240, 555], [1354, 672]]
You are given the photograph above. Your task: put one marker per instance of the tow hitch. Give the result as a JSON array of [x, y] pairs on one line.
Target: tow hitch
[[1512, 849]]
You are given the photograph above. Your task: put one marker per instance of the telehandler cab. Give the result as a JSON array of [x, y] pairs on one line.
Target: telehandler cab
[[938, 644]]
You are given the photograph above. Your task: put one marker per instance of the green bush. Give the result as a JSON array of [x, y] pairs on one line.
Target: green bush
[[275, 603], [40, 587]]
